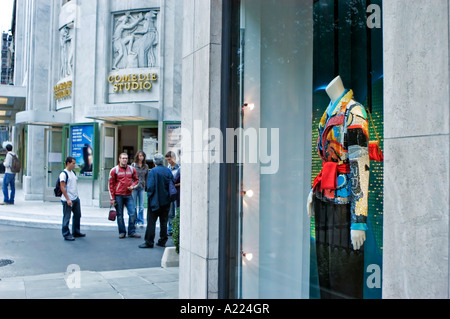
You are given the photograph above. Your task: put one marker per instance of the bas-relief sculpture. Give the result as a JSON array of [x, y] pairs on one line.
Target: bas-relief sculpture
[[134, 40], [67, 49], [63, 88]]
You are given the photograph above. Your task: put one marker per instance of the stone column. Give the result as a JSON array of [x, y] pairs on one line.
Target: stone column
[[38, 42], [416, 123], [200, 108]]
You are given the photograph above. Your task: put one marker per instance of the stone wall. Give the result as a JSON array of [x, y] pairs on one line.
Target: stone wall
[[416, 141], [199, 219]]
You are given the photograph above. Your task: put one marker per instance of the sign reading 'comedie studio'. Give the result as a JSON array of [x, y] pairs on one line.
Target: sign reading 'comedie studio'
[[132, 82]]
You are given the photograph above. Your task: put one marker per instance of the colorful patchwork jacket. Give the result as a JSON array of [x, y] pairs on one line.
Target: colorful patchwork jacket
[[343, 145]]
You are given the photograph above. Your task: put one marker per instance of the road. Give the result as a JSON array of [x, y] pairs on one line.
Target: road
[[35, 251]]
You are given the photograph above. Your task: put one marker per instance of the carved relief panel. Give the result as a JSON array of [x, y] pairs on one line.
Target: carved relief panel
[[65, 72], [135, 39], [135, 67], [66, 49]]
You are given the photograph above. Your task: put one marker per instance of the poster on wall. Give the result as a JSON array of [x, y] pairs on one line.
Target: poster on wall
[[150, 146], [173, 140], [82, 138]]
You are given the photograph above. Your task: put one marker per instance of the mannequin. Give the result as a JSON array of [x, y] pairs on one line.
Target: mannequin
[[334, 90], [339, 196]]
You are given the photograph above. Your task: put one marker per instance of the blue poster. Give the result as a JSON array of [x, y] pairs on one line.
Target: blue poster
[[82, 138]]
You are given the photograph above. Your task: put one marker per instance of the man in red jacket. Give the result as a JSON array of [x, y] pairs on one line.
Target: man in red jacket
[[122, 180]]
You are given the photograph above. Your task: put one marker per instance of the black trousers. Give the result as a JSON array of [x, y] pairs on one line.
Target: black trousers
[[341, 269], [152, 216]]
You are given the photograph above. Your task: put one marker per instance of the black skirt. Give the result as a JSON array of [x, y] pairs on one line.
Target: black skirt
[[340, 268]]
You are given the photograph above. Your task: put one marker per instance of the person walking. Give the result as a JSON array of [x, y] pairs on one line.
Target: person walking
[[70, 201], [158, 202], [9, 178], [138, 193], [123, 180], [175, 168]]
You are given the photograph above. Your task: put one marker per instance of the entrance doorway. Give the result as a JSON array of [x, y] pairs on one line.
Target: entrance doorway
[[133, 138], [124, 138], [53, 159]]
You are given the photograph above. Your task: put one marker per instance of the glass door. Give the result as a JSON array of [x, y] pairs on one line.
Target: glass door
[[148, 140], [53, 161], [108, 159]]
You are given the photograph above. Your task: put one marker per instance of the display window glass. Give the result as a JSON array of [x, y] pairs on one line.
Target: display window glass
[[347, 45], [308, 70]]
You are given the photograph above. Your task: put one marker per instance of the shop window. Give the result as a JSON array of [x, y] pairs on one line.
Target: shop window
[[289, 52], [276, 94], [348, 43]]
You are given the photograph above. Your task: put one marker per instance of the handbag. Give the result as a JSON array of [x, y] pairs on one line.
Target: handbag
[[375, 152], [112, 214]]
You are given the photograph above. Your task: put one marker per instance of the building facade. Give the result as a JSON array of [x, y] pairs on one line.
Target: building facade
[[7, 71], [238, 88], [101, 78]]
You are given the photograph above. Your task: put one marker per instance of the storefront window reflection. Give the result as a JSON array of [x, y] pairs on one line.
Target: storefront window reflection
[[289, 53]]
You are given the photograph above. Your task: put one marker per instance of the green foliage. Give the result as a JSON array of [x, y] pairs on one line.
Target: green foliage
[[176, 230]]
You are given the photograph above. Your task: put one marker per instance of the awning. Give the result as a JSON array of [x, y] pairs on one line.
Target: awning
[[119, 112], [12, 100], [46, 118]]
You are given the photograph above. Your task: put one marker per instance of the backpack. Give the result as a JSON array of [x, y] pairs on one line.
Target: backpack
[[15, 164], [117, 169], [57, 190]]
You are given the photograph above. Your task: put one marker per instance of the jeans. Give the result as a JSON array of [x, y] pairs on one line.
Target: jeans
[[138, 199], [152, 216], [9, 179], [76, 209], [121, 201]]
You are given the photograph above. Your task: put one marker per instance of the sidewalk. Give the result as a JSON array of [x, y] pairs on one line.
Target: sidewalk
[[147, 283], [49, 214]]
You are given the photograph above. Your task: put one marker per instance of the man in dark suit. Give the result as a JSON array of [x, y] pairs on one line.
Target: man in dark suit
[[158, 202]]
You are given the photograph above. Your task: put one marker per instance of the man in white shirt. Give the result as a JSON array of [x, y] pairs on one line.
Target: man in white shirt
[[9, 178], [70, 201]]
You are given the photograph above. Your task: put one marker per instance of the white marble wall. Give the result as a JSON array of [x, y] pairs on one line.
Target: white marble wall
[[36, 63], [200, 101], [416, 141]]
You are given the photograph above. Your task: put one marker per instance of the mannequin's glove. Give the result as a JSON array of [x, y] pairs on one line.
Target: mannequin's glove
[[310, 204], [358, 237]]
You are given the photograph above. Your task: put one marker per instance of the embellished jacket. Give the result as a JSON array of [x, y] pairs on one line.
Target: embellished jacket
[[343, 145]]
